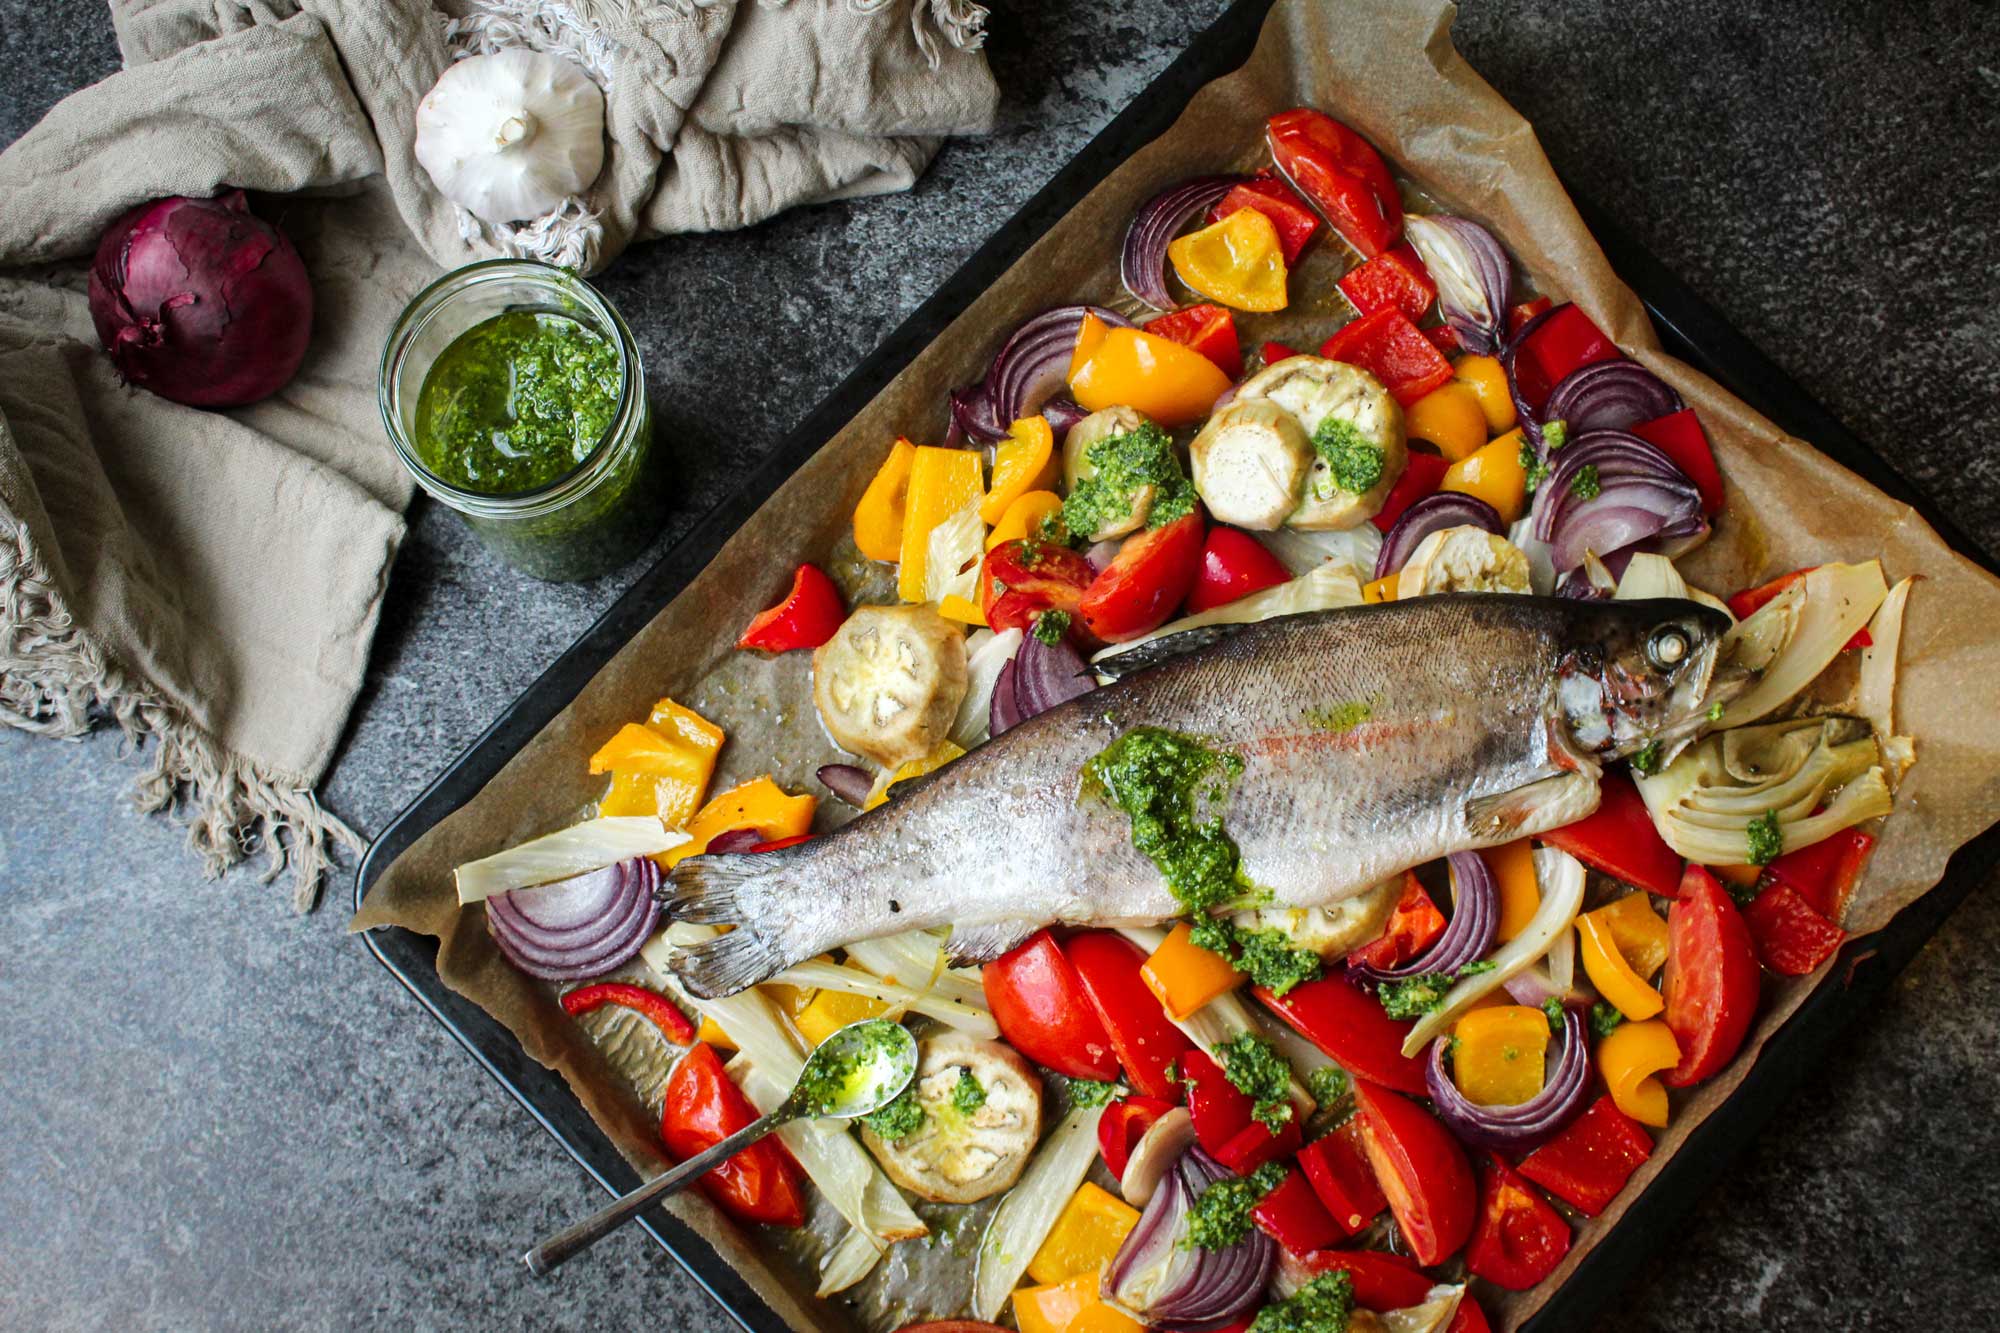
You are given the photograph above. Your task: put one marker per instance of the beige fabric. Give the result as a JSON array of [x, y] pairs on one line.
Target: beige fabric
[[211, 581]]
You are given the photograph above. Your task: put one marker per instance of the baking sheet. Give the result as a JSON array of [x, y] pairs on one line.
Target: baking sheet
[[1387, 68]]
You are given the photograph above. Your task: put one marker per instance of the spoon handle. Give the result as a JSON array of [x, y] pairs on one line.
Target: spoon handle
[[580, 1236]]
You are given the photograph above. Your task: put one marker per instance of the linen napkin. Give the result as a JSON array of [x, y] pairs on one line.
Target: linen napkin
[[209, 582]]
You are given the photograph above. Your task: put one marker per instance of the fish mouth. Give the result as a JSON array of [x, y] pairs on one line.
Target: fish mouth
[[1706, 683]]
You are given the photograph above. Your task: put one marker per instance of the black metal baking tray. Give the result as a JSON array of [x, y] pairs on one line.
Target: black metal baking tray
[[1687, 327]]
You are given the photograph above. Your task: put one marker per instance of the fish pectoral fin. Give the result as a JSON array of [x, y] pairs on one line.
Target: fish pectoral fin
[[1166, 648], [970, 946], [1545, 803]]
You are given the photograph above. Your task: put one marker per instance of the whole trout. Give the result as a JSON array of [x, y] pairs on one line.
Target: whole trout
[[1371, 739]]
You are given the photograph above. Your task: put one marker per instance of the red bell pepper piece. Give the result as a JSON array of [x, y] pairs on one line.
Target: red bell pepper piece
[[779, 844], [1591, 1159], [1393, 350], [1382, 1281], [1744, 604], [702, 1108], [1413, 927], [1348, 1024], [1291, 1215], [1233, 565], [807, 618], [1149, 577], [1619, 839], [1792, 939], [1021, 579], [1520, 1239], [1257, 1143], [1038, 1001], [1219, 1109], [1397, 279], [1680, 437], [1564, 342], [1123, 1124], [1422, 475], [1146, 1042], [1295, 222], [1208, 329], [1422, 1170], [1519, 315], [1342, 174], [663, 1013], [1711, 981], [1444, 337], [1337, 1168], [1468, 1318], [1825, 872], [1276, 352]]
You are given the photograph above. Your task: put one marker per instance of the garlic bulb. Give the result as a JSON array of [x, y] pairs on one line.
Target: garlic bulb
[[511, 135]]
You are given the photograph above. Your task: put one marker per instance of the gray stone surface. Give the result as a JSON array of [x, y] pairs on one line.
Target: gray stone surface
[[218, 1115]]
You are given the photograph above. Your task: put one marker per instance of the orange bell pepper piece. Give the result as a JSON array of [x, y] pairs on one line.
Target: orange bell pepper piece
[[1611, 974], [1487, 379], [1628, 1059], [1450, 417], [1025, 461], [1493, 472], [1086, 1236], [1380, 590], [962, 609], [1513, 867], [1024, 517], [1237, 261], [1186, 976], [878, 519], [1074, 1306], [1156, 377], [759, 804], [661, 768], [1639, 932], [832, 1010], [1501, 1055]]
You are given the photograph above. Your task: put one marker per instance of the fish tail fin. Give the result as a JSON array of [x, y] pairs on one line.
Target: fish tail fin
[[743, 892]]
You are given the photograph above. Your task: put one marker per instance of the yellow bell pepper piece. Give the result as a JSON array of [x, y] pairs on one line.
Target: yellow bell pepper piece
[[878, 519], [1500, 1059], [962, 609], [916, 768], [661, 768], [1086, 1236], [1743, 877], [1493, 472], [1639, 932], [1487, 379], [630, 794], [792, 999], [942, 482], [1513, 867], [711, 1032], [1237, 261], [1024, 517], [1074, 1306], [1023, 462], [1629, 1058], [1172, 384], [1450, 417], [1611, 974], [759, 804], [832, 1010], [1186, 976], [1380, 590]]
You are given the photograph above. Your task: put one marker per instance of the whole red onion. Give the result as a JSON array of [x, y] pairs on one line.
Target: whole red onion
[[200, 302]]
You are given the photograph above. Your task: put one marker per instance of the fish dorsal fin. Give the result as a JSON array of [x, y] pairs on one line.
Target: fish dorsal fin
[[1545, 803], [1166, 648], [969, 946]]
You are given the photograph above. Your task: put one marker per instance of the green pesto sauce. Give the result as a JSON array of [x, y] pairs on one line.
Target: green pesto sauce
[[968, 1094], [1340, 717], [517, 402], [1766, 840], [1162, 780], [1323, 1305], [1220, 1215], [837, 1077], [1253, 1064], [1088, 1092], [1352, 463], [1267, 956], [1124, 464]]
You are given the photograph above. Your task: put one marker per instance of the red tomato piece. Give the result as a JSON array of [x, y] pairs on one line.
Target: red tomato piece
[[1257, 1143], [1468, 1318], [1149, 577], [1520, 1239], [1146, 1042], [1382, 1281], [1233, 565], [1348, 1024], [1295, 222], [1337, 1168], [1744, 604], [1566, 341], [1413, 927], [1276, 352], [1123, 1124], [1219, 1109], [1591, 1159], [1208, 329], [1021, 579], [1680, 437], [1395, 279], [1422, 1170], [1519, 315], [1711, 981], [702, 1108], [1393, 350], [1792, 939], [1619, 839], [1825, 872], [1039, 1003], [810, 614], [1422, 475], [1292, 1215], [1342, 174]]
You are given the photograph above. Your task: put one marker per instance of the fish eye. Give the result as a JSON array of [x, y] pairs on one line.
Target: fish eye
[[1668, 647]]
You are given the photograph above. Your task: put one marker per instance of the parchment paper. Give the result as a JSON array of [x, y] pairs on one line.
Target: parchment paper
[[1388, 68]]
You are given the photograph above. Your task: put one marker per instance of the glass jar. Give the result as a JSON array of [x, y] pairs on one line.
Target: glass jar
[[589, 520]]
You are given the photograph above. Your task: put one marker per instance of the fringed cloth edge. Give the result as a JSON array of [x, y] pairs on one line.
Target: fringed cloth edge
[[57, 680]]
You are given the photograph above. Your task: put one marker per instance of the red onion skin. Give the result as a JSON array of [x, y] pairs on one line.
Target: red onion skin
[[590, 948], [1474, 922], [1433, 513], [849, 783], [201, 302]]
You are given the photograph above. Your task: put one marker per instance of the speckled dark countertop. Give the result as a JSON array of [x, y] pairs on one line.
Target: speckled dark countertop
[[218, 1115]]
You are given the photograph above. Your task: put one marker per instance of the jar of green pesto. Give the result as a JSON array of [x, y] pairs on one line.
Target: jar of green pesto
[[513, 392]]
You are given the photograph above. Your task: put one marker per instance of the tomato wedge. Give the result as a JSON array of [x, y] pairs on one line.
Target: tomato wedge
[[1520, 1239], [1337, 1166], [1792, 938], [1711, 980], [1021, 579], [1345, 1021], [1233, 565], [1382, 1281], [1469, 1318], [1042, 1011], [1342, 174], [1619, 839], [1148, 578], [702, 1108], [1147, 1043], [1422, 1170]]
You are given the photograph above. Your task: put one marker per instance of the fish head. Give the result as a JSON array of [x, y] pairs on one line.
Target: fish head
[[1644, 671]]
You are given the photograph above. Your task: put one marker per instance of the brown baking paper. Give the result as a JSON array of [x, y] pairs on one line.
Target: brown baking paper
[[1389, 69]]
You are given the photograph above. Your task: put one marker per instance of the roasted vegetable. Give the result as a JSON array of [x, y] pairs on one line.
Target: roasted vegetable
[[890, 681], [1355, 429], [981, 1109], [1250, 462]]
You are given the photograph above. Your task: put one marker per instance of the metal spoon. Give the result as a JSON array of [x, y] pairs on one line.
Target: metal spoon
[[860, 1068]]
